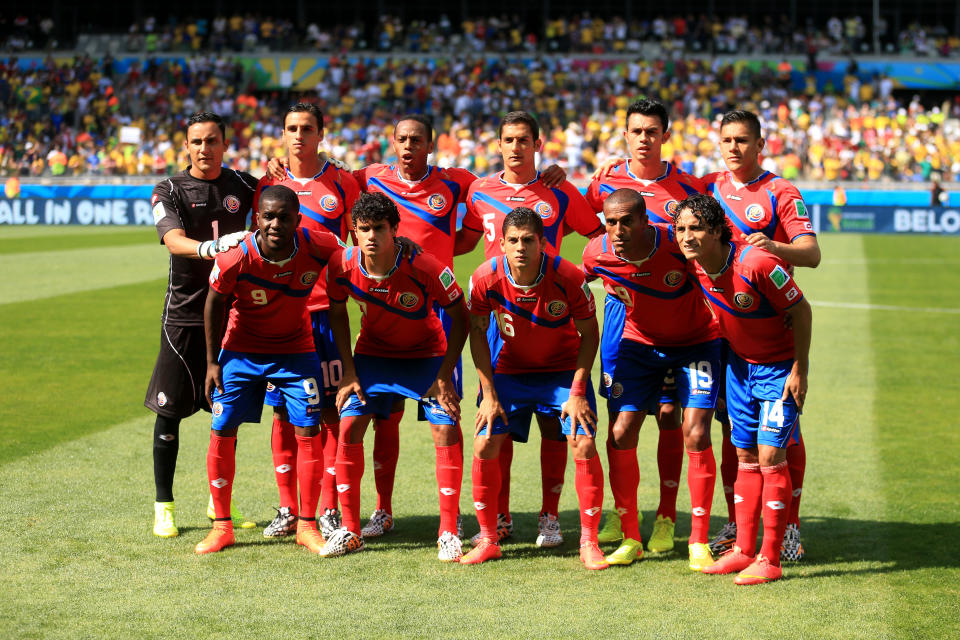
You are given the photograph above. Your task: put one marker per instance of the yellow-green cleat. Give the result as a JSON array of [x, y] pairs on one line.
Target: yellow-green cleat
[[236, 516], [163, 524], [628, 551], [700, 556], [661, 540], [611, 531]]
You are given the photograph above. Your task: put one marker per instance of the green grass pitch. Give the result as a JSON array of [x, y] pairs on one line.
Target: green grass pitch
[[79, 329]]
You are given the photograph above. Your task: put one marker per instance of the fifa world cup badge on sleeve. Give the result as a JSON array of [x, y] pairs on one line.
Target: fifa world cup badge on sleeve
[[447, 278], [779, 277]]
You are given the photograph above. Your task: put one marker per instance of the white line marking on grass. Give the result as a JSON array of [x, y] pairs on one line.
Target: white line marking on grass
[[880, 307]]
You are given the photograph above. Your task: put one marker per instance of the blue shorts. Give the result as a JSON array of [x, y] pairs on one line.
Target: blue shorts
[[386, 380], [245, 377], [545, 393], [495, 342], [331, 367], [757, 413], [447, 321], [638, 380]]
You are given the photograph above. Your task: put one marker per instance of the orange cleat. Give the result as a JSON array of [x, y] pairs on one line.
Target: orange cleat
[[591, 557], [732, 561], [219, 538], [760, 572], [309, 537], [483, 551]]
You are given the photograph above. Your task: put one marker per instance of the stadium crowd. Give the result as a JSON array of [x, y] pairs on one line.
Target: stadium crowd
[[67, 120]]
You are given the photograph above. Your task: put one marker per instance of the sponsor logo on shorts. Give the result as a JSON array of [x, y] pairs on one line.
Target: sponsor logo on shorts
[[779, 277], [592, 511], [343, 488], [158, 212], [436, 202], [284, 468], [754, 213], [673, 278], [231, 204], [447, 279], [543, 210], [743, 300], [617, 390], [699, 392], [793, 293], [557, 308], [479, 506], [671, 207], [408, 300], [219, 483], [769, 429], [217, 409], [328, 203], [607, 379], [162, 399], [776, 505], [801, 209], [307, 278], [271, 386], [698, 511], [447, 491]]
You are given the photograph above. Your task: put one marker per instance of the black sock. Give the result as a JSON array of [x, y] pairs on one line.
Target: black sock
[[166, 445]]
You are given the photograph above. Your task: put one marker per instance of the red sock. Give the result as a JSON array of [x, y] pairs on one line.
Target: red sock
[[701, 478], [221, 467], [748, 492], [386, 451], [670, 464], [588, 479], [506, 459], [486, 487], [728, 474], [797, 464], [776, 498], [329, 435], [449, 480], [553, 466], [309, 472], [283, 444], [349, 473], [624, 480]]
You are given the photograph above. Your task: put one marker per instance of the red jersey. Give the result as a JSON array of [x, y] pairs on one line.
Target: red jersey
[[661, 195], [750, 296], [535, 321], [663, 306], [398, 316], [769, 204], [428, 208], [325, 203], [490, 199], [269, 310]]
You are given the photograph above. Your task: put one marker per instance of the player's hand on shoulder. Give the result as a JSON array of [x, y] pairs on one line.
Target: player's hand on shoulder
[[760, 241], [553, 176], [214, 380], [277, 168], [337, 162], [210, 248], [408, 248], [349, 386], [605, 167]]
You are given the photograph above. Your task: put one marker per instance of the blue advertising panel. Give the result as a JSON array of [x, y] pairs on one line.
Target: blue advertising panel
[[937, 220]]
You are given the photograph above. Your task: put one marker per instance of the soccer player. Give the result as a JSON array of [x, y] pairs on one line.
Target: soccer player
[[268, 339], [751, 291], [667, 326], [546, 316], [768, 212], [662, 186], [326, 194], [198, 213], [562, 209], [402, 351]]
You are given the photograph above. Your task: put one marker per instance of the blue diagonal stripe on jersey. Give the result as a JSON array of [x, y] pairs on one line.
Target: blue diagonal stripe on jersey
[[332, 225], [454, 190], [655, 293], [419, 314], [764, 311], [275, 286], [440, 223], [523, 313], [493, 202]]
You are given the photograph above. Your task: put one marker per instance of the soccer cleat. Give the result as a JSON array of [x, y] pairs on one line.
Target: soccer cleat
[[733, 561], [724, 540], [449, 547], [163, 526], [700, 556], [482, 551], [591, 556], [342, 542], [548, 531], [308, 536], [236, 516], [329, 522], [661, 540], [611, 531], [283, 525], [792, 549], [760, 572], [628, 551], [220, 537], [380, 523], [504, 530]]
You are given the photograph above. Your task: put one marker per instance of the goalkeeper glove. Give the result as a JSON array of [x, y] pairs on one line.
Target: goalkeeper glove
[[210, 248]]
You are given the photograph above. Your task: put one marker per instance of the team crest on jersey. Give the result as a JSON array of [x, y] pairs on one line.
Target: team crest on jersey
[[743, 300], [671, 207], [217, 409], [673, 278], [616, 390], [607, 379], [557, 308], [543, 210], [328, 203], [307, 278], [436, 202], [754, 213], [408, 300], [161, 399], [231, 204]]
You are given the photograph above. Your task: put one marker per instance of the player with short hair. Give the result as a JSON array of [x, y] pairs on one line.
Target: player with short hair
[[752, 292], [402, 352], [546, 317], [667, 326], [662, 185], [199, 213], [268, 340], [326, 194]]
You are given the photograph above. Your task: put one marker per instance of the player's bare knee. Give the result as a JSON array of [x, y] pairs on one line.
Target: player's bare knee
[[771, 456], [747, 456], [306, 432], [445, 435], [668, 417], [583, 447], [281, 412], [487, 448]]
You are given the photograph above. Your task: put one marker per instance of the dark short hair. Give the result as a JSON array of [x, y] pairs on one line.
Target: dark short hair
[[629, 197], [520, 117], [281, 194], [426, 121], [741, 116], [373, 207], [708, 212], [208, 116], [650, 108], [306, 107], [523, 218]]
